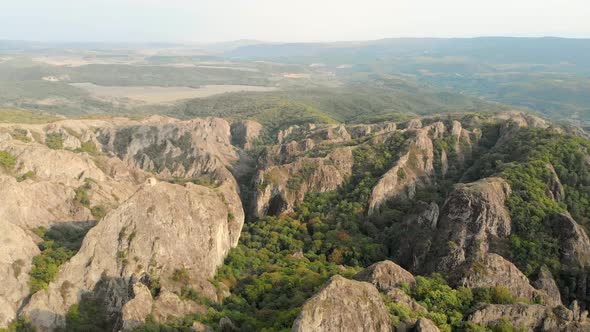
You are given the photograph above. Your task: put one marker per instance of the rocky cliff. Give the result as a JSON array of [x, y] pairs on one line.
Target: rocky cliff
[[67, 171], [472, 217], [172, 192], [279, 188], [175, 234]]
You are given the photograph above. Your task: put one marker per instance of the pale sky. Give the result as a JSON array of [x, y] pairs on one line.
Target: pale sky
[[287, 20]]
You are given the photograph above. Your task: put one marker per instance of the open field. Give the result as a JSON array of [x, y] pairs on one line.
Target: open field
[[158, 94]]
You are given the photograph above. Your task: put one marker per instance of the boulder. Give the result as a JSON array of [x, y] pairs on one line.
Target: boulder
[[386, 276], [344, 305]]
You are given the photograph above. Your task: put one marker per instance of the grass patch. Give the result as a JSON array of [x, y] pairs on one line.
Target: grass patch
[[7, 160], [25, 117], [54, 141]]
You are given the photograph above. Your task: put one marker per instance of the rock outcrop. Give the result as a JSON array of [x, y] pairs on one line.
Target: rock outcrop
[[574, 242], [532, 317], [244, 133], [412, 170], [280, 187], [47, 196], [362, 130], [95, 163], [386, 275], [173, 148], [472, 217], [546, 283], [556, 191], [176, 234], [493, 270], [425, 325], [45, 189], [344, 305], [16, 252], [327, 134]]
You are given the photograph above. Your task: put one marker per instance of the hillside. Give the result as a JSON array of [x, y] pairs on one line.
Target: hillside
[[451, 222]]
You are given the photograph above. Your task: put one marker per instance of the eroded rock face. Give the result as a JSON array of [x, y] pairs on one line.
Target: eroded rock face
[[47, 197], [245, 132], [361, 130], [280, 187], [327, 134], [159, 231], [413, 169], [386, 276], [16, 252], [425, 325], [424, 215], [134, 312], [573, 239], [511, 122], [531, 317], [493, 270], [546, 283], [173, 148], [198, 148], [556, 191], [343, 305], [473, 215]]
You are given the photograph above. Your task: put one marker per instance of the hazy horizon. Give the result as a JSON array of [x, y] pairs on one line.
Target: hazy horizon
[[177, 21]]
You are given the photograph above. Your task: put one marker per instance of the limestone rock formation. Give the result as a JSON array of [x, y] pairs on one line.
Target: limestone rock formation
[[173, 148], [135, 311], [533, 317], [16, 252], [343, 305], [556, 190], [473, 215], [280, 187], [244, 133], [425, 325], [385, 275], [546, 283], [176, 234], [412, 170], [48, 195], [42, 190], [421, 222], [511, 122], [53, 178], [573, 240], [327, 134], [424, 215], [493, 270]]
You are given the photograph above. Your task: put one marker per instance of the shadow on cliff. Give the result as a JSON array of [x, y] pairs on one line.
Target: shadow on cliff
[[98, 310]]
